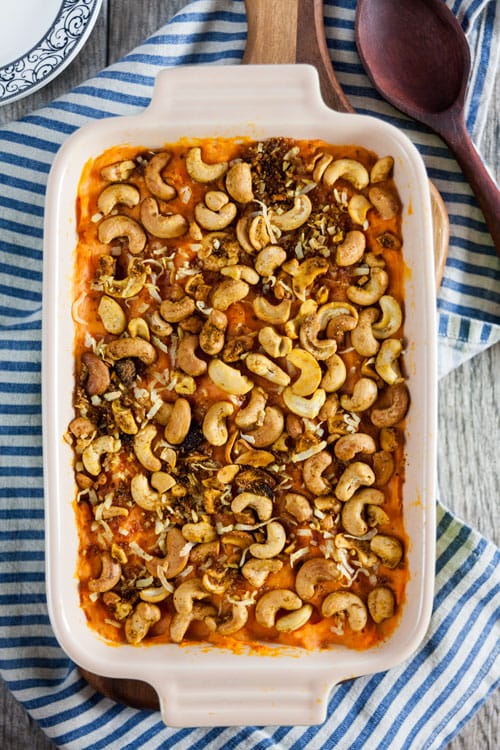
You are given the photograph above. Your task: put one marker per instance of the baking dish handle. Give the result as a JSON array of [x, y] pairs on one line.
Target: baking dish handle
[[198, 96]]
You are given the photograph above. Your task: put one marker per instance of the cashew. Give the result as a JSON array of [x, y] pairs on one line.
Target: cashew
[[228, 292], [372, 291], [142, 494], [298, 506], [295, 217], [346, 603], [98, 378], [186, 593], [138, 624], [261, 365], [274, 314], [388, 549], [382, 169], [199, 170], [161, 225], [154, 180], [162, 481], [352, 248], [352, 510], [81, 427], [269, 259], [312, 572], [181, 622], [123, 226], [306, 274], [137, 327], [241, 271], [255, 458], [381, 603], [214, 423], [212, 333], [143, 450], [215, 220], [349, 446], [271, 602], [391, 320], [389, 439], [312, 470], [131, 347], [348, 169], [358, 548], [154, 594], [295, 620], [109, 576], [386, 363], [362, 337], [396, 411], [383, 466], [385, 201], [239, 617], [310, 372], [258, 234], [262, 505], [274, 344], [242, 235], [256, 571], [176, 558], [337, 317], [93, 453], [173, 311], [304, 407], [276, 539], [376, 516], [187, 360], [271, 428], [335, 375], [120, 170], [252, 415], [228, 379], [358, 208], [201, 532], [239, 182], [364, 394], [117, 194], [354, 476], [130, 285], [308, 335], [179, 422]]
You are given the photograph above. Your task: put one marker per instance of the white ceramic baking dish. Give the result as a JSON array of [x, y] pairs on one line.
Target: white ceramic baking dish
[[200, 685]]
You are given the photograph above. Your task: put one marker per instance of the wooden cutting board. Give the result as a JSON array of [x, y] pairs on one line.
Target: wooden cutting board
[[281, 31]]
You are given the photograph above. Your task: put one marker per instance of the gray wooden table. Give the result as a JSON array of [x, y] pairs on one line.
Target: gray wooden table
[[468, 397]]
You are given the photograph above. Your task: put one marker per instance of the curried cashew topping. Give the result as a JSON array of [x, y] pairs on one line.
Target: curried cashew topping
[[240, 394]]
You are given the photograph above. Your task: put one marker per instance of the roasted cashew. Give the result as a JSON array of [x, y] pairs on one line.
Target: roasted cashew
[[138, 624], [228, 292], [335, 375], [358, 547], [98, 378], [298, 506], [142, 447], [310, 372], [239, 182], [352, 510], [273, 343], [256, 571], [93, 453], [117, 194], [239, 617], [176, 558], [123, 226], [308, 334], [269, 259], [185, 594], [391, 320], [372, 291], [385, 201], [304, 407], [383, 466], [354, 476], [346, 602], [179, 422], [312, 471], [187, 360], [358, 208], [161, 225], [381, 603], [258, 234], [262, 505], [364, 395], [352, 248], [143, 494], [271, 602], [270, 429], [154, 180], [130, 285], [275, 541], [295, 620], [252, 415], [201, 532], [120, 170], [314, 571], [295, 217], [242, 272], [337, 318], [228, 379], [386, 363], [396, 411], [200, 171], [214, 221], [306, 274], [261, 365], [362, 337], [180, 622], [131, 347], [109, 576], [162, 481], [214, 423], [275, 314], [382, 169], [173, 311], [347, 169], [388, 549], [212, 332], [349, 446], [138, 328]]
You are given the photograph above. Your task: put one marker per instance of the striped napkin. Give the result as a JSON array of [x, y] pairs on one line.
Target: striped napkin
[[425, 701]]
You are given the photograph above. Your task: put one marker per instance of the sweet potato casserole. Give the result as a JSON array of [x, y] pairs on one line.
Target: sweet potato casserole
[[240, 394]]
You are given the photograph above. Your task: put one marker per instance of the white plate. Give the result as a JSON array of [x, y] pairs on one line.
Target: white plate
[[38, 40]]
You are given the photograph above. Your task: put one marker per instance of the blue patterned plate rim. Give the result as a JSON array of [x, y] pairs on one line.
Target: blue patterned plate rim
[[46, 59]]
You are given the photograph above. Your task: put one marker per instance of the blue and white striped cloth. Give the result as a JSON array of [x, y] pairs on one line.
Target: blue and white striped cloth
[[420, 704]]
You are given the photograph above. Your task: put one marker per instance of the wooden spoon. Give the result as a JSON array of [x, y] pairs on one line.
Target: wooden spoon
[[292, 31], [418, 58]]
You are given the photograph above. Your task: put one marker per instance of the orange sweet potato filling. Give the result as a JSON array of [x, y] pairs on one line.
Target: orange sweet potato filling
[[190, 482]]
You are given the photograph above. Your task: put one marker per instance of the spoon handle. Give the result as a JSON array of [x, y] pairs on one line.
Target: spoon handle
[[480, 180]]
